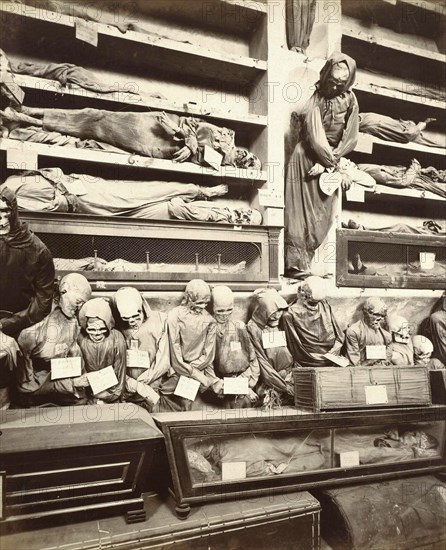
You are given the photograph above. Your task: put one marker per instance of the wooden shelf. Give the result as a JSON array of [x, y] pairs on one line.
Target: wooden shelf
[[415, 194], [367, 143], [164, 53], [46, 86], [25, 156]]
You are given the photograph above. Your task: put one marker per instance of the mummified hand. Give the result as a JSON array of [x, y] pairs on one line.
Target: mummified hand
[[183, 154], [316, 170]]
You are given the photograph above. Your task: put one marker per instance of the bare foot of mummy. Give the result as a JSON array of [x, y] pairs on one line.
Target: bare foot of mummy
[[216, 191]]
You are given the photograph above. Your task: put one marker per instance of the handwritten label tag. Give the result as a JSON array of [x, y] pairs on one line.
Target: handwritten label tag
[[212, 157], [274, 216], [87, 32], [276, 339], [233, 470], [66, 367], [365, 143], [375, 395], [329, 182], [270, 197], [349, 459], [187, 388], [375, 352], [235, 386], [75, 187], [356, 193], [235, 346], [148, 393], [337, 359], [102, 379], [138, 358], [21, 159]]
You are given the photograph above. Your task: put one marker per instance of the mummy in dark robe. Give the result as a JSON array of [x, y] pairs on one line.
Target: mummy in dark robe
[[52, 338], [275, 361], [367, 332], [144, 330], [438, 331], [151, 134], [235, 355], [311, 327], [400, 350], [329, 132], [102, 346]]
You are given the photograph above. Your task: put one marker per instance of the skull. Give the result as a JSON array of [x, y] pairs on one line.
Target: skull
[[129, 304], [5, 219], [274, 319], [422, 349], [400, 329], [96, 329], [222, 303], [311, 292], [374, 311], [74, 291], [197, 295]]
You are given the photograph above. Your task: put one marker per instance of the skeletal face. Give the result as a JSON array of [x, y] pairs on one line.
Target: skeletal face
[[422, 350], [337, 79], [96, 329], [402, 336], [134, 321], [306, 295], [274, 319], [70, 300], [198, 295], [222, 303], [374, 313], [5, 219]]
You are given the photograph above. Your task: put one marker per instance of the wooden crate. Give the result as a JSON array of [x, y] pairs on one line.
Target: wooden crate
[[324, 388], [438, 386]]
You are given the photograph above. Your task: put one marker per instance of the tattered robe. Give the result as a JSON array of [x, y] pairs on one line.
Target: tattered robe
[[275, 364], [358, 336], [400, 354], [438, 331], [311, 333], [329, 132]]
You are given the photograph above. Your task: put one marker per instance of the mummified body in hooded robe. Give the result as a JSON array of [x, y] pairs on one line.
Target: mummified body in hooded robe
[[54, 337], [276, 362], [145, 332], [329, 131], [102, 345]]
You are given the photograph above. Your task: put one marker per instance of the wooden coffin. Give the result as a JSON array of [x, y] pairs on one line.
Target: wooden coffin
[[325, 388], [438, 386]]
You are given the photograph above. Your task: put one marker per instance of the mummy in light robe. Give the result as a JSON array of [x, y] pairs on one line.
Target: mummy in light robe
[[400, 350]]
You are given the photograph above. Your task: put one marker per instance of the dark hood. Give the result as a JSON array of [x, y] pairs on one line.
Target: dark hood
[[337, 57], [19, 236]]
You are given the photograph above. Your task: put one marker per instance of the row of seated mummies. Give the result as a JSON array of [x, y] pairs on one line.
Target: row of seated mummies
[[149, 351]]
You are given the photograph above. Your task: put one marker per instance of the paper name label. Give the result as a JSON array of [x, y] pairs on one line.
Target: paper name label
[[269, 197], [102, 379], [274, 216], [329, 182], [66, 367], [75, 187], [138, 358], [212, 157], [375, 395], [337, 359], [233, 470], [275, 339], [349, 459], [235, 386], [235, 346], [21, 159], [87, 32], [187, 388], [375, 352], [356, 193]]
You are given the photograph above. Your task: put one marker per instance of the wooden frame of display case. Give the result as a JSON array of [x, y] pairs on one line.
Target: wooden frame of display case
[[214, 423], [346, 236]]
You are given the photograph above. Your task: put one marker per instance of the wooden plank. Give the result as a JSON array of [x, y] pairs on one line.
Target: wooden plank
[[408, 146], [414, 194]]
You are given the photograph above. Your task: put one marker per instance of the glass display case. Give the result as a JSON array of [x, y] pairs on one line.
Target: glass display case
[[220, 454], [390, 259]]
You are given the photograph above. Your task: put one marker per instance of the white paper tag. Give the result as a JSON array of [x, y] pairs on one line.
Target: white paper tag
[[102, 379], [187, 388], [276, 339], [66, 367], [274, 216], [233, 470], [235, 386], [329, 182], [21, 159], [364, 144], [237, 228], [212, 157], [148, 393], [75, 187], [356, 193], [235, 346], [138, 358], [270, 197], [349, 459], [375, 395], [337, 359], [375, 352], [87, 32], [278, 469]]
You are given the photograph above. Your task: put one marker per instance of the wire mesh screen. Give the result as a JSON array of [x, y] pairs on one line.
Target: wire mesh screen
[[386, 259], [173, 254]]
